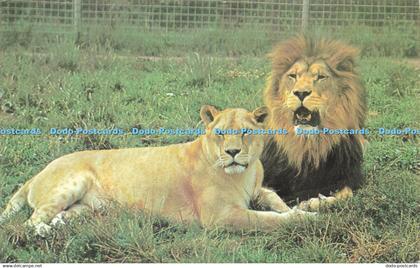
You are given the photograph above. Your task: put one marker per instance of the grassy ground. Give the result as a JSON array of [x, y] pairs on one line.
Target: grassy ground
[[70, 87], [397, 40]]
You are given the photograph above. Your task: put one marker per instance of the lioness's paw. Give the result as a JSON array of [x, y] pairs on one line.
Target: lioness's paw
[[58, 219], [302, 214], [42, 229]]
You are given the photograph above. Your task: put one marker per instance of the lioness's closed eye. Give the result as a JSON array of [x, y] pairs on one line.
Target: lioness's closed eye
[[210, 180]]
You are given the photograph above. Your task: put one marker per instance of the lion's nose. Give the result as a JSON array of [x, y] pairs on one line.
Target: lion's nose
[[232, 152], [302, 94]]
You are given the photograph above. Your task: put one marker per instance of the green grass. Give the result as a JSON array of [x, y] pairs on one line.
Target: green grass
[[78, 87], [393, 39]]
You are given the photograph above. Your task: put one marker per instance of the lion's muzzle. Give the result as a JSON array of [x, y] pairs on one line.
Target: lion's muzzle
[[302, 94], [303, 116]]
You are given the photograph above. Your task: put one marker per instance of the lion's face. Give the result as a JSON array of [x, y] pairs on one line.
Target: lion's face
[[313, 85], [228, 141], [309, 88]]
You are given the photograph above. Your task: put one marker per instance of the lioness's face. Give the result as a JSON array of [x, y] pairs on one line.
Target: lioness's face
[[231, 145], [309, 89]]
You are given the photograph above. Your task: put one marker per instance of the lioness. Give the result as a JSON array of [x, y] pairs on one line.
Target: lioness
[[210, 180]]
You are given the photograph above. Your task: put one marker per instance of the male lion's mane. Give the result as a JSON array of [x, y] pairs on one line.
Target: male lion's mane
[[296, 166]]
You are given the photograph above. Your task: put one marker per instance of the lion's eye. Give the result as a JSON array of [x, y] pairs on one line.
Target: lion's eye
[[292, 76], [320, 77]]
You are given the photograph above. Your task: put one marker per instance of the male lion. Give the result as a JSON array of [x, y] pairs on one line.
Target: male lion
[[313, 85], [211, 180]]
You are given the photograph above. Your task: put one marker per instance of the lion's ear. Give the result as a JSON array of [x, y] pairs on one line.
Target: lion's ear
[[344, 60], [208, 113], [346, 65], [260, 114]]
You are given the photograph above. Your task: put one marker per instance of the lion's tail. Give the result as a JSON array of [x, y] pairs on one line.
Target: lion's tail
[[16, 203]]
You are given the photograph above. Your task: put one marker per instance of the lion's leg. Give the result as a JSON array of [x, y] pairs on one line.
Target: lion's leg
[[314, 204], [41, 217], [89, 203], [270, 199], [245, 219], [61, 198], [53, 214], [72, 212], [18, 200]]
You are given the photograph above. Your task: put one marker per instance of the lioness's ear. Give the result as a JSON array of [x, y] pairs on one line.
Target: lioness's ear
[[208, 113], [260, 114]]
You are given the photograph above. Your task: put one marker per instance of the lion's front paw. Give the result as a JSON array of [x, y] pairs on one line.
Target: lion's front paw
[[314, 204]]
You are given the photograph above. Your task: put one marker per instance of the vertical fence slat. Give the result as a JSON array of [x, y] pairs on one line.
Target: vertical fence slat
[[77, 10], [305, 15]]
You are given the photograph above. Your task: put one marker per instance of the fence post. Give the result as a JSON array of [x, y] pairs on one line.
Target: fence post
[[305, 15], [77, 9]]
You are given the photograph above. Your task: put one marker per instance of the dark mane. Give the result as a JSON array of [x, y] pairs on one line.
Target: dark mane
[[341, 168], [297, 166]]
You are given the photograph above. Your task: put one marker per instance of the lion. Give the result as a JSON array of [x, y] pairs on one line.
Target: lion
[[210, 180], [314, 86]]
